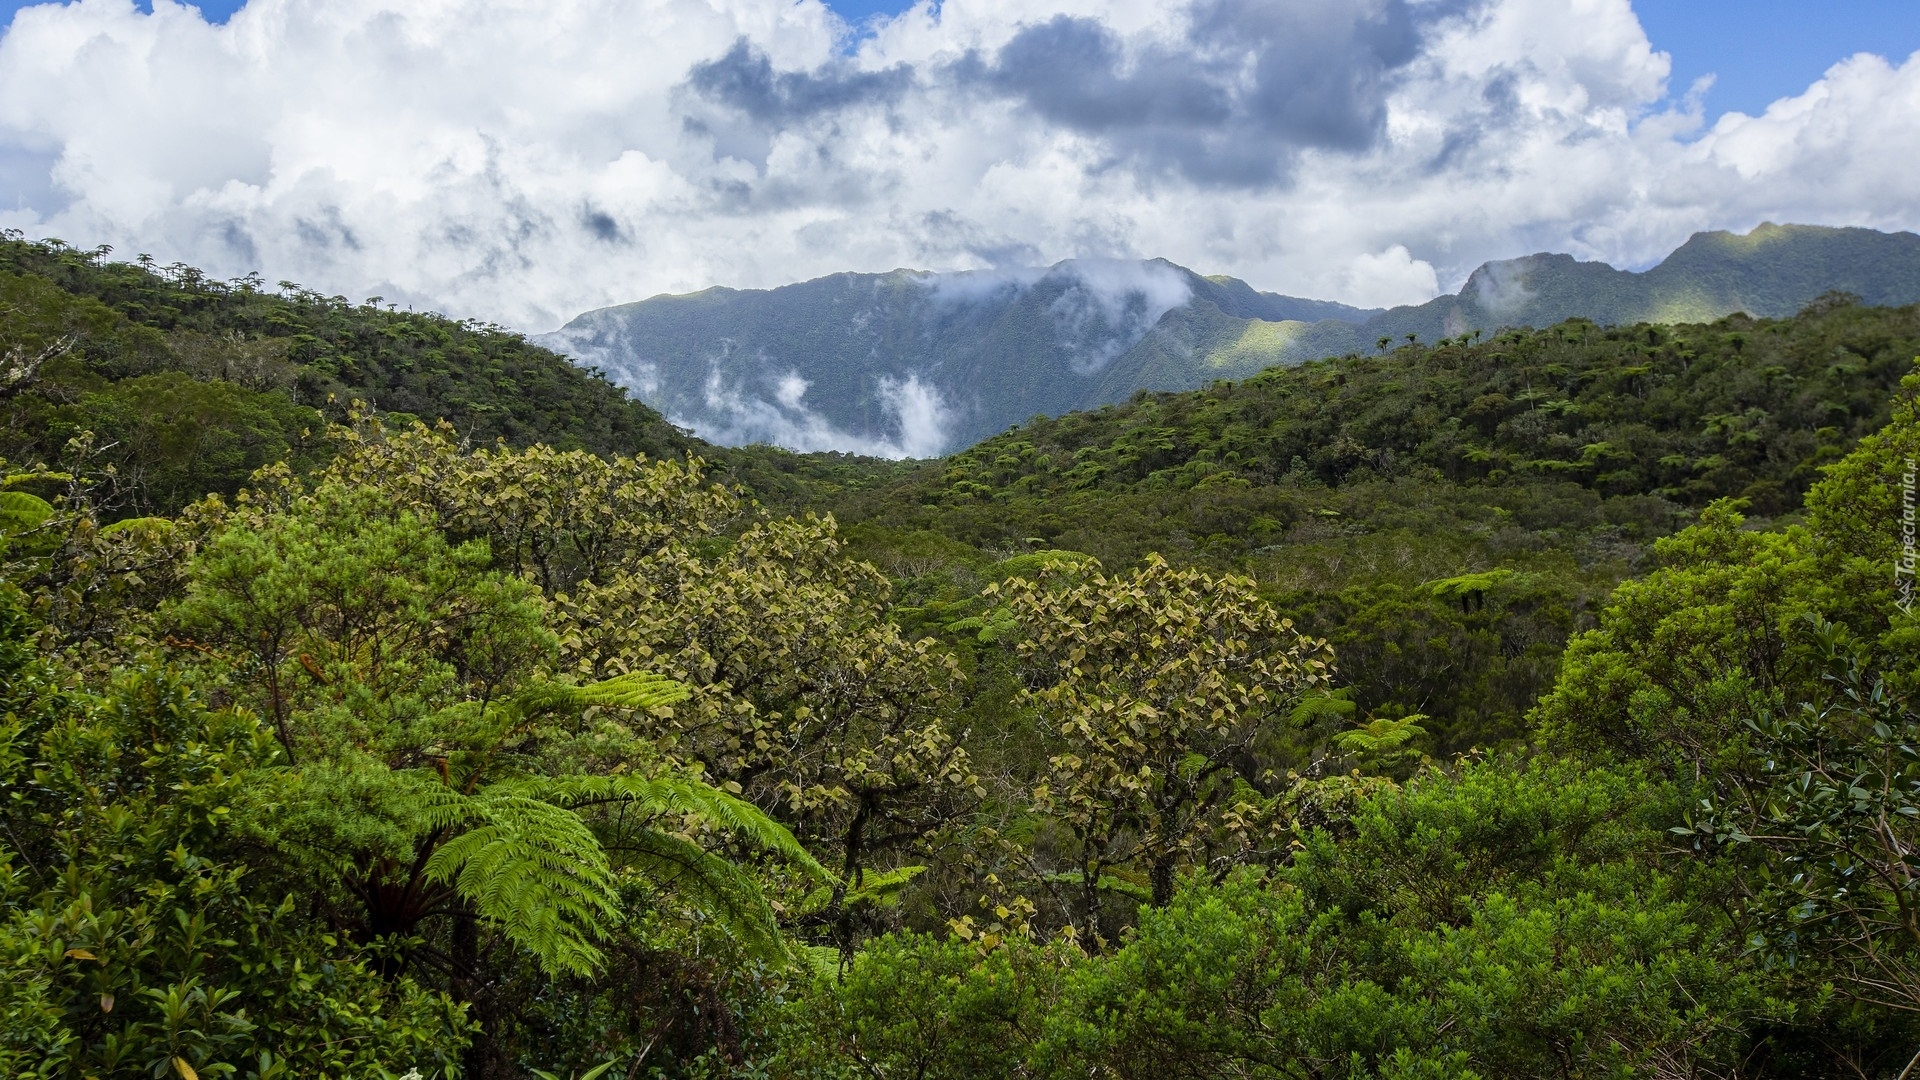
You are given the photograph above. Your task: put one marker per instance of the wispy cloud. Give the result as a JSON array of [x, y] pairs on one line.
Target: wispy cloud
[[1108, 305], [1100, 307], [736, 415]]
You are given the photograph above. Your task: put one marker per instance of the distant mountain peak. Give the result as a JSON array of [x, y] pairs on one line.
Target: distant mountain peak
[[915, 363]]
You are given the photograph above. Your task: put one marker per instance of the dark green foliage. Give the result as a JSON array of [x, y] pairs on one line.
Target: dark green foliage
[[1725, 629], [1510, 921], [1686, 413], [190, 384], [789, 481], [1541, 464], [141, 929], [173, 439], [1835, 807], [928, 1007], [1507, 921]]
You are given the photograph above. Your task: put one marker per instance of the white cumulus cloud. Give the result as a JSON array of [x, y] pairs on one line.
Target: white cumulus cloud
[[524, 161]]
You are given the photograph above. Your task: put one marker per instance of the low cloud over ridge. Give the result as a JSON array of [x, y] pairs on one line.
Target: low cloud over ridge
[[525, 161], [738, 416]]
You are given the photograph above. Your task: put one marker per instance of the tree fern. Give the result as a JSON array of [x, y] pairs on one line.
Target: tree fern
[[533, 868], [682, 796], [1325, 705], [637, 690], [525, 859], [1382, 743], [712, 884], [1470, 590], [21, 512], [1380, 735], [877, 889], [530, 855]]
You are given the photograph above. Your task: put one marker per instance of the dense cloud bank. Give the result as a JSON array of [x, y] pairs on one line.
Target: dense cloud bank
[[524, 161]]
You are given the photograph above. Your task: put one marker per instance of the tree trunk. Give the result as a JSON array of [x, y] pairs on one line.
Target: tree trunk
[[1162, 877], [482, 1058], [842, 918]]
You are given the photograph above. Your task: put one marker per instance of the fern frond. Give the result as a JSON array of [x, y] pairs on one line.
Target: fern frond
[[879, 890], [822, 960], [525, 859], [1328, 704], [13, 479], [711, 884], [1380, 735], [21, 512], [1105, 883], [157, 525], [686, 797], [636, 690], [529, 866]]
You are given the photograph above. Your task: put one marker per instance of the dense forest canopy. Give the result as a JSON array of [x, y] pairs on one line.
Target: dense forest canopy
[[1536, 705], [1446, 514], [195, 382]]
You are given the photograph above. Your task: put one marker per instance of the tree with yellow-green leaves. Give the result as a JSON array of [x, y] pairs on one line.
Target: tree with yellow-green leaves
[[452, 790], [806, 700], [560, 519], [1166, 690], [812, 703]]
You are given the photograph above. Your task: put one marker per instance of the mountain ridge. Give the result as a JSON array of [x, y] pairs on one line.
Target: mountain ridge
[[914, 363]]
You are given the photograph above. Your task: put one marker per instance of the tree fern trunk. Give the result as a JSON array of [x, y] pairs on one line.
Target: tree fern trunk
[[483, 1059]]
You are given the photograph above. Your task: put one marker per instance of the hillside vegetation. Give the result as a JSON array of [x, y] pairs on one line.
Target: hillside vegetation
[[1534, 706], [1447, 515], [857, 361], [188, 384]]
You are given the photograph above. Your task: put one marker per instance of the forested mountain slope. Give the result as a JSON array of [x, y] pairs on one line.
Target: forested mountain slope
[[916, 364], [189, 384], [1448, 515]]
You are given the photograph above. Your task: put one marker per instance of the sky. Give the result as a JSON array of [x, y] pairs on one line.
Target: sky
[[1757, 51], [521, 161]]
